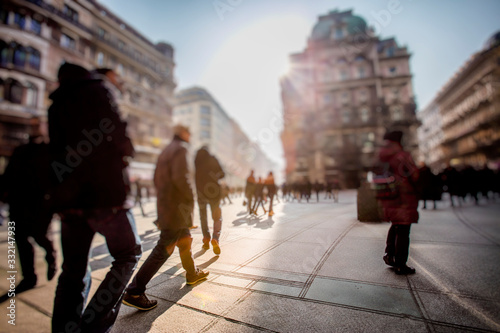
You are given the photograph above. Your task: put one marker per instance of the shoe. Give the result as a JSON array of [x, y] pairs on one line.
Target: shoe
[[271, 213], [140, 302], [25, 285], [205, 246], [215, 245], [195, 278], [193, 227], [389, 260], [51, 271], [404, 270]]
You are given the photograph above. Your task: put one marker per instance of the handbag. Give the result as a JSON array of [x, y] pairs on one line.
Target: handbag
[[385, 187]]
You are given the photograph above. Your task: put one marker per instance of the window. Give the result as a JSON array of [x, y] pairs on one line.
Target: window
[[70, 13], [395, 93], [5, 53], [359, 58], [205, 135], [344, 75], [327, 99], [363, 96], [361, 72], [68, 42], [204, 121], [33, 58], [204, 109], [14, 93], [345, 97], [36, 26], [121, 45], [4, 16], [397, 113], [19, 20], [392, 70], [346, 116], [31, 94], [389, 51], [339, 33], [103, 34], [364, 113], [100, 59], [19, 56], [2, 90]]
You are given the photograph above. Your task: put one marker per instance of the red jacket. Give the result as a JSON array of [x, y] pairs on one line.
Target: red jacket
[[402, 210]]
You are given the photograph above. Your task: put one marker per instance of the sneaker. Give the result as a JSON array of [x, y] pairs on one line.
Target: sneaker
[[404, 270], [271, 213], [199, 276], [193, 227], [215, 245], [205, 246], [140, 302]]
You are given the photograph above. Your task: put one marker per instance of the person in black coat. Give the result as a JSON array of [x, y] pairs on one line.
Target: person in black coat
[[175, 204], [89, 150], [429, 186], [208, 172]]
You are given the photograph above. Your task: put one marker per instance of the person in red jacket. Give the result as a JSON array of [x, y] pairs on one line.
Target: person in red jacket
[[402, 210]]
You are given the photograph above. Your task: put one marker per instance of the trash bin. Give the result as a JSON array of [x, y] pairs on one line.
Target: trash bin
[[369, 209]]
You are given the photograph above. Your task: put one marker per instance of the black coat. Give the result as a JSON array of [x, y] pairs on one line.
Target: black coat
[[175, 199], [88, 143], [207, 175]]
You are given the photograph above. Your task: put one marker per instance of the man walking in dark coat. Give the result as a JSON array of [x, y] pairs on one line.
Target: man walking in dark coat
[[207, 175], [175, 203], [89, 148]]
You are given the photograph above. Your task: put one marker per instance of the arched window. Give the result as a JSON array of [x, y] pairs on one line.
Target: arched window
[[359, 58], [31, 94], [5, 53], [33, 58], [14, 91], [19, 20], [19, 55]]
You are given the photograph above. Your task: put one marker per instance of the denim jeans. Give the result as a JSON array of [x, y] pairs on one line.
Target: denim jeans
[[122, 240], [216, 216], [169, 238]]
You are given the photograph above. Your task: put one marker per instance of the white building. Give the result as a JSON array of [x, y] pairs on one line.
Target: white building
[[430, 136]]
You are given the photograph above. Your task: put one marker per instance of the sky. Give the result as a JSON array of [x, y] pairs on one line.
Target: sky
[[239, 49]]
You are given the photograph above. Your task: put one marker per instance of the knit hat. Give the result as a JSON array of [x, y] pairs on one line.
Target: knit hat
[[394, 136]]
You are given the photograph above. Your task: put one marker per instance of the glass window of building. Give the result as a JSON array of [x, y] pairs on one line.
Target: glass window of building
[[4, 16], [344, 74], [33, 58], [19, 56], [20, 20], [68, 42], [361, 72], [103, 34], [339, 33], [31, 94], [100, 59], [397, 113], [364, 114], [121, 45], [70, 13], [390, 51], [205, 134], [363, 96], [2, 90], [392, 70], [204, 109], [14, 93], [36, 26], [204, 121], [345, 97], [346, 116], [5, 53]]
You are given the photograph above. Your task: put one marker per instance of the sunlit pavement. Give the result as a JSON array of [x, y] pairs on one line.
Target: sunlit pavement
[[312, 267]]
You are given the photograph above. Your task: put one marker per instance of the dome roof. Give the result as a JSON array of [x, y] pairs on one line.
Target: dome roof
[[323, 28]]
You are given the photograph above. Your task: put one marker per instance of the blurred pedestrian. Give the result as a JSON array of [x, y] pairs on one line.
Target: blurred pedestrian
[[89, 151], [208, 172], [452, 183], [429, 185], [250, 191], [24, 188], [271, 191], [138, 196], [259, 196], [401, 211], [175, 204], [335, 190]]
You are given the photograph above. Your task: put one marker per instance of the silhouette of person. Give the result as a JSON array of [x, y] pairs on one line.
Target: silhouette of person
[[271, 191], [250, 191], [259, 196], [175, 204], [429, 185], [208, 172], [138, 195], [24, 188], [401, 211], [89, 151]]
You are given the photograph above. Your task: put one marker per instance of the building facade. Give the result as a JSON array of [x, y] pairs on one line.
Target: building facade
[[469, 106], [37, 36], [211, 126], [430, 137], [340, 96]]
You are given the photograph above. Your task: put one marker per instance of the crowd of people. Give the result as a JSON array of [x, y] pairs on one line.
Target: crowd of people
[[81, 175]]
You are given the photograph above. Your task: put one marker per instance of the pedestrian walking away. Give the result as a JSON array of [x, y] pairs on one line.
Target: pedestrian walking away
[[400, 210], [208, 172], [175, 204], [89, 151]]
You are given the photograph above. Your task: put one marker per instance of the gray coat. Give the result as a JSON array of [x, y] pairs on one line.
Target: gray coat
[[175, 200]]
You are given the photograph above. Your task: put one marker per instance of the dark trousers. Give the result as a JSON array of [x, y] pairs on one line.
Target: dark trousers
[[398, 243], [216, 217], [122, 240], [39, 231], [162, 251]]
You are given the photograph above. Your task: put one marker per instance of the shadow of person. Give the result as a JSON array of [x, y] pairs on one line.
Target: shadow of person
[[266, 224]]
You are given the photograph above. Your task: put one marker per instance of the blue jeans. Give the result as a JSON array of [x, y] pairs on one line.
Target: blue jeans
[[122, 240], [216, 216], [169, 238]]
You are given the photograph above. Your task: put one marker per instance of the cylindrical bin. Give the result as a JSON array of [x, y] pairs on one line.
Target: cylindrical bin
[[369, 209]]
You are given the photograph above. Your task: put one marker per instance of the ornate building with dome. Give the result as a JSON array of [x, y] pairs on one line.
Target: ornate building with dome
[[342, 93]]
